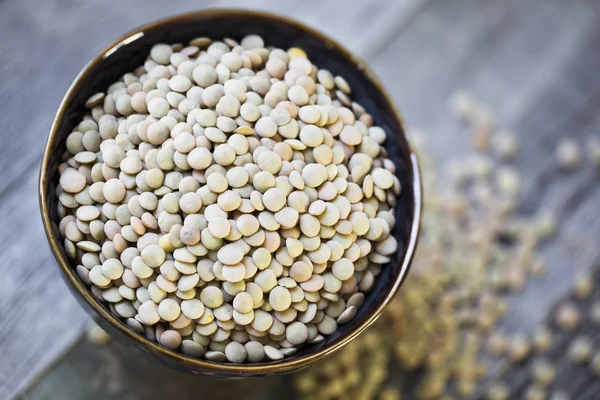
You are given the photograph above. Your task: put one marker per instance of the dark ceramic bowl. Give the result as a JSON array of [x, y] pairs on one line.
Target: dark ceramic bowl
[[129, 52]]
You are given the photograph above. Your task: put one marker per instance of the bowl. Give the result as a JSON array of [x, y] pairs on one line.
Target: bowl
[[130, 51]]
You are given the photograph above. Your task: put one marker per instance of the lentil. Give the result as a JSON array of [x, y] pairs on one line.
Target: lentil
[[220, 195]]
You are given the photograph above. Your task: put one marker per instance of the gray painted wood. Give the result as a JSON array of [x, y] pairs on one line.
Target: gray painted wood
[[533, 61], [43, 46], [576, 379]]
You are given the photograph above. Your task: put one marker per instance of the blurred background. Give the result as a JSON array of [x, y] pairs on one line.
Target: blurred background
[[502, 97]]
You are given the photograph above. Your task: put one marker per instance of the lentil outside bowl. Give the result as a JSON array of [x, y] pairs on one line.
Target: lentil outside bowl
[[129, 52]]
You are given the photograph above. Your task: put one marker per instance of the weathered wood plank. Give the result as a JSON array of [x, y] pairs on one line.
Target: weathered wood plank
[[528, 61], [576, 379], [533, 61], [44, 45]]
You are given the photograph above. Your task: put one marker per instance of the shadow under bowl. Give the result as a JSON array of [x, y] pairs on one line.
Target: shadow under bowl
[[129, 52]]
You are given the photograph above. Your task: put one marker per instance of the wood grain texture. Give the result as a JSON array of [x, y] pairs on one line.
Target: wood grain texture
[[533, 70], [533, 61], [578, 380], [44, 45]]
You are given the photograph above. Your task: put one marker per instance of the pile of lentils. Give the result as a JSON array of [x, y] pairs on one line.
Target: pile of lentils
[[228, 200]]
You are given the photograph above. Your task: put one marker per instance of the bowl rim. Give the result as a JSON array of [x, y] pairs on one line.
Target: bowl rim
[[198, 364]]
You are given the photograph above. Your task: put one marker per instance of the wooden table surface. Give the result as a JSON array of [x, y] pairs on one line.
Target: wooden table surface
[[534, 62], [43, 46]]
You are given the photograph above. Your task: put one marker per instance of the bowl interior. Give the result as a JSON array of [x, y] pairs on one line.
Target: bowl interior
[[130, 53]]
